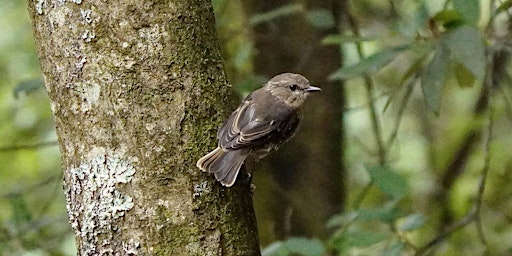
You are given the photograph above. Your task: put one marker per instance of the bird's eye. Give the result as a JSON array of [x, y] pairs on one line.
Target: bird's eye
[[293, 87]]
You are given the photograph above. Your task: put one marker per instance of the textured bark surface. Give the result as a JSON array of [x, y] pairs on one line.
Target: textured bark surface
[[138, 90]]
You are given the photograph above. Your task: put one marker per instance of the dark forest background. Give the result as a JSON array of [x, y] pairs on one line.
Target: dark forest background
[[406, 151]]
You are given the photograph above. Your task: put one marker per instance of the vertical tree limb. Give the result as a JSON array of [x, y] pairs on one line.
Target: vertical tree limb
[[137, 90]]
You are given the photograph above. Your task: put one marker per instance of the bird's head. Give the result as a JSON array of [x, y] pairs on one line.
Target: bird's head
[[292, 89]]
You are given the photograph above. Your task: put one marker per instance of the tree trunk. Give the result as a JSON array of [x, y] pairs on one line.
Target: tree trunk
[[138, 91]]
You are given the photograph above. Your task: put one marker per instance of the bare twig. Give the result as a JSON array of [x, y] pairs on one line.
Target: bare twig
[[29, 146], [490, 81], [481, 187], [33, 187], [474, 214], [360, 197], [447, 232], [369, 85], [376, 127], [401, 110]]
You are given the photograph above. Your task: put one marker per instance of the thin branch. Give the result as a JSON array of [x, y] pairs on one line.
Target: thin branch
[[508, 101], [401, 111], [360, 197], [485, 170], [369, 85], [481, 187], [29, 146], [457, 164], [474, 214], [33, 187], [402, 236], [446, 3], [447, 232]]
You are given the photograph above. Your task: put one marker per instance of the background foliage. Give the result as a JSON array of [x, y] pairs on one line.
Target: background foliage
[[427, 120]]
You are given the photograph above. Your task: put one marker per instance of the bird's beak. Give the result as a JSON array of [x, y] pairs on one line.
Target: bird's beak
[[313, 89]]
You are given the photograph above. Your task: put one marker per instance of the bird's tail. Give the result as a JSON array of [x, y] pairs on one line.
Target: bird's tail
[[225, 165]]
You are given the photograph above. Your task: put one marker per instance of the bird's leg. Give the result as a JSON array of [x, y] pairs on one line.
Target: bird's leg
[[249, 167]]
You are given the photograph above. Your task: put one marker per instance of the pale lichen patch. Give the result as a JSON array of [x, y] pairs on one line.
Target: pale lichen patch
[[40, 5], [86, 16], [95, 204], [201, 189], [89, 94], [88, 36]]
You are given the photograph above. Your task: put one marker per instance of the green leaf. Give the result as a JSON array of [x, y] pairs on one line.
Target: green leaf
[[295, 246], [282, 11], [467, 47], [20, 211], [468, 9], [388, 181], [464, 77], [341, 219], [395, 249], [449, 18], [505, 5], [412, 222], [275, 249], [341, 39], [28, 86], [360, 239], [385, 214], [421, 16], [370, 64], [320, 18], [434, 78], [414, 68], [243, 54], [304, 246], [389, 101]]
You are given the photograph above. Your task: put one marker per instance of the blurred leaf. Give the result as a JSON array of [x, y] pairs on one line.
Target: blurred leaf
[[20, 212], [504, 6], [342, 219], [305, 246], [389, 100], [295, 246], [416, 67], [434, 78], [274, 249], [388, 181], [387, 214], [449, 18], [320, 18], [341, 39], [28, 86], [395, 249], [412, 222], [467, 47], [285, 10], [243, 55], [370, 64], [357, 239], [464, 77], [421, 15], [468, 9]]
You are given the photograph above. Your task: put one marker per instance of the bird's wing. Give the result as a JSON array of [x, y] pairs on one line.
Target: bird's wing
[[244, 128]]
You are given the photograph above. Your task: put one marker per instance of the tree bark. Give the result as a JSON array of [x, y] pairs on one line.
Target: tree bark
[[138, 91]]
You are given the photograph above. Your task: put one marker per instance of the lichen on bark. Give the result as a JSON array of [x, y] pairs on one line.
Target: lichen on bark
[[93, 184]]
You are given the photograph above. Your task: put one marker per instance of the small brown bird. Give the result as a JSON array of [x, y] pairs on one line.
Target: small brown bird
[[264, 120]]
